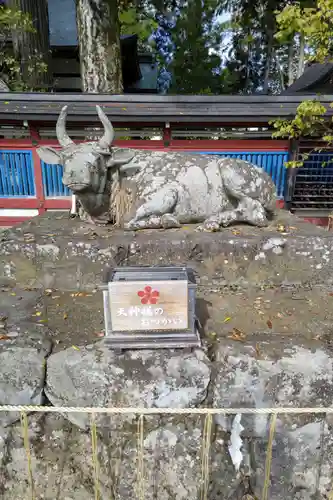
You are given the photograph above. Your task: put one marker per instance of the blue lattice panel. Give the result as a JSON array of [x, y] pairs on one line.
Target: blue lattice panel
[[273, 162], [52, 181], [16, 174]]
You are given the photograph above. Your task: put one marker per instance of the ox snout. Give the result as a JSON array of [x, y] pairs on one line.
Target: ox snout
[[74, 182]]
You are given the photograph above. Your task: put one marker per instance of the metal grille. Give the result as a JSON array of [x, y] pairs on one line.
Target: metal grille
[[14, 132], [94, 133], [16, 174], [273, 162], [52, 180], [313, 182], [218, 133]]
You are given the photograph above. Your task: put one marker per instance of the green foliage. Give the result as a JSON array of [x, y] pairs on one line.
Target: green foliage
[[15, 21], [137, 20], [196, 65], [308, 119], [315, 24], [255, 57]]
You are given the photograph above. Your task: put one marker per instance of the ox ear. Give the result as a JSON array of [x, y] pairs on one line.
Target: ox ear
[[120, 157], [49, 155]]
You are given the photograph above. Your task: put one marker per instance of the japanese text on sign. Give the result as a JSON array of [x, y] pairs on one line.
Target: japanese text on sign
[[161, 305]]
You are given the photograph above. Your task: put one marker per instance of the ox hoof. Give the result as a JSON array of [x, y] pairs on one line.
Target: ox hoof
[[211, 226], [131, 226], [141, 224], [168, 221]]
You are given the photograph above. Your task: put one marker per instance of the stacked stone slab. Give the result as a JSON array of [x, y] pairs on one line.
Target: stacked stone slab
[[226, 373]]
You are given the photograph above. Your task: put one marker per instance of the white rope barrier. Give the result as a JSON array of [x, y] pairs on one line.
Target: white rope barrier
[[206, 437], [165, 411]]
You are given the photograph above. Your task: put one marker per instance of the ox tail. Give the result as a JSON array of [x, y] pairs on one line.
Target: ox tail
[[121, 200]]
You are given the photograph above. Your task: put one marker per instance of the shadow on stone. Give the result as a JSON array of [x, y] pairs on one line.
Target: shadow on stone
[[202, 312]]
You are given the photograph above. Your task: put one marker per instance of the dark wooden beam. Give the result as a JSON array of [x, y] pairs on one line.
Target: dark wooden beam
[[162, 99], [124, 109]]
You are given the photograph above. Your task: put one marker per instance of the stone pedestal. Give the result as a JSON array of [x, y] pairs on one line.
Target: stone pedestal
[[265, 303], [56, 252]]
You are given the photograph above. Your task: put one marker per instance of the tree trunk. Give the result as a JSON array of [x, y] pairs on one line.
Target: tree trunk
[[269, 53], [290, 62], [300, 69], [98, 34], [280, 71], [33, 49]]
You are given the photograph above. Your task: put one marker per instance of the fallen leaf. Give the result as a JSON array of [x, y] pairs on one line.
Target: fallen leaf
[[4, 337], [102, 334], [48, 292], [226, 319], [238, 332], [38, 313], [13, 294], [65, 316], [258, 352], [237, 335], [331, 294], [269, 324], [76, 347], [279, 315]]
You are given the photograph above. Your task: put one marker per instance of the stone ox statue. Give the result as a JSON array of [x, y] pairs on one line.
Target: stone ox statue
[[153, 189]]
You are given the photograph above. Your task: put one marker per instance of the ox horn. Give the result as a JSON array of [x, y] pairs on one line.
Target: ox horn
[[108, 136], [62, 136]]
